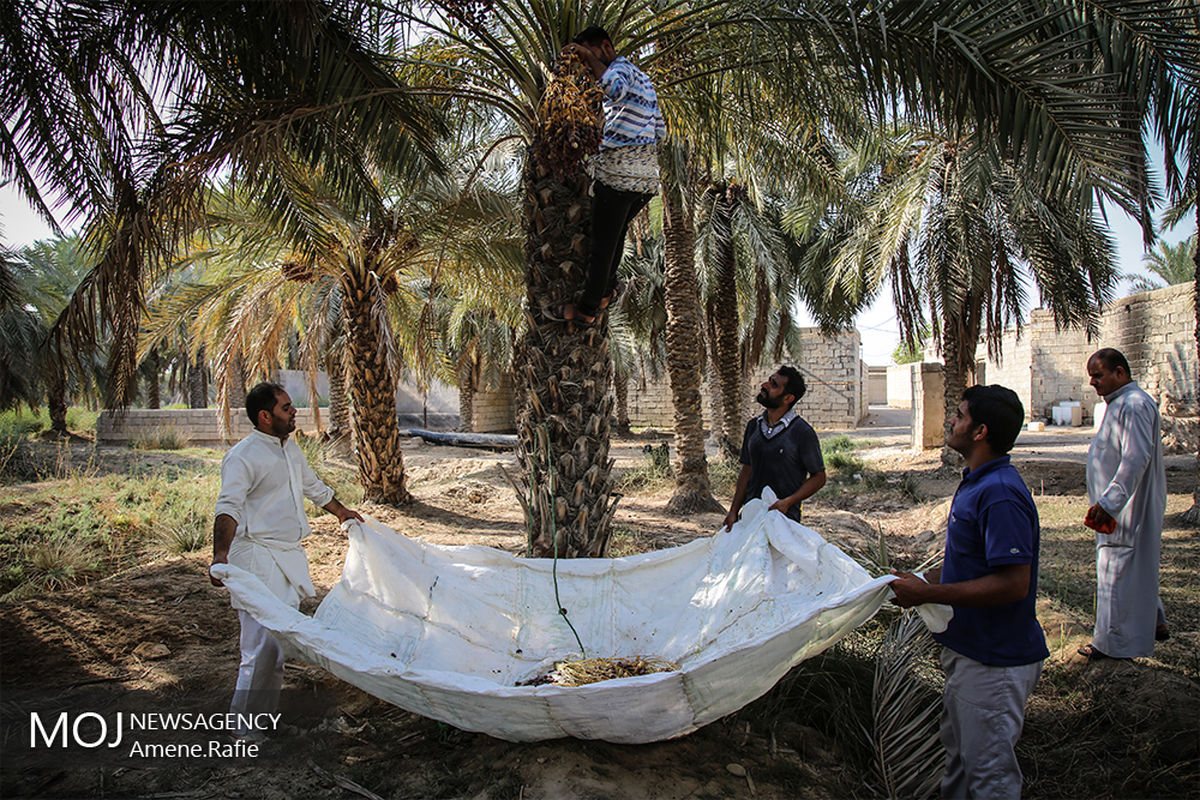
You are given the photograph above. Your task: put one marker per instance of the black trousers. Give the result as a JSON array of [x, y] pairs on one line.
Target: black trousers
[[612, 211]]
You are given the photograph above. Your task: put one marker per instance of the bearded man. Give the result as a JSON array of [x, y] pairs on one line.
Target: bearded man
[[779, 449]]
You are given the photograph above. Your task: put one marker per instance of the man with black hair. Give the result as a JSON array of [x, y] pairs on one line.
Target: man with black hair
[[1127, 486], [260, 521], [993, 647], [779, 449], [624, 172]]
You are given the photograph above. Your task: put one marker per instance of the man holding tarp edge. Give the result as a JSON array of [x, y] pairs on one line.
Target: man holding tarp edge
[[260, 521], [779, 450], [993, 647]]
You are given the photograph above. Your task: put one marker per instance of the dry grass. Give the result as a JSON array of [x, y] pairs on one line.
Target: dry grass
[[164, 438]]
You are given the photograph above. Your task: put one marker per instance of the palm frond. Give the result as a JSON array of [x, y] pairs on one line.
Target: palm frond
[[906, 713]]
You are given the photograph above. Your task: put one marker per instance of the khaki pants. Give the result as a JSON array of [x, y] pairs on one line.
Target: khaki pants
[[983, 712]]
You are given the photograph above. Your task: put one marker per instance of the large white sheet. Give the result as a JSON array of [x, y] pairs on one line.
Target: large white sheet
[[447, 632]]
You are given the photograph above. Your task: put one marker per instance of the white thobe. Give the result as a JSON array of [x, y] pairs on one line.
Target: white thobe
[[1125, 476], [263, 486]]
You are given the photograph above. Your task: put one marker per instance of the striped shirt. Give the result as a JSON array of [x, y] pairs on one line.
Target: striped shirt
[[631, 115]]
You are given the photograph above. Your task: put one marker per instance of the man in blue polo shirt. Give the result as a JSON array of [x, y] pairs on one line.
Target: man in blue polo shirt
[[993, 648]]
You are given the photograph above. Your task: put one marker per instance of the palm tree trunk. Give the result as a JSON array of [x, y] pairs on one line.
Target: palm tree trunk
[[954, 375], [197, 397], [56, 402], [466, 396], [372, 391], [621, 393], [237, 386], [562, 374], [716, 410], [339, 405], [685, 354], [153, 399], [727, 334]]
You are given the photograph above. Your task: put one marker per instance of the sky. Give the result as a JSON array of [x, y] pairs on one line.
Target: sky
[[19, 226]]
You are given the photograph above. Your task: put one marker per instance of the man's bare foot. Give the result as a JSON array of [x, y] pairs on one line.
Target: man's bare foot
[[566, 312]]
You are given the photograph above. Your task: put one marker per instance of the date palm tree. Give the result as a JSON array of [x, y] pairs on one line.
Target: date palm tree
[[366, 280], [1168, 265], [684, 335], [959, 232], [501, 57], [21, 335], [118, 110], [58, 265]]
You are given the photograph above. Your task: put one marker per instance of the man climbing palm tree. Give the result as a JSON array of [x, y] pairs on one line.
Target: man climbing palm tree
[[625, 170]]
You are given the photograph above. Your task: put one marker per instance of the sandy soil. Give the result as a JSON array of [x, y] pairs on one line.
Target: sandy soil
[[160, 638]]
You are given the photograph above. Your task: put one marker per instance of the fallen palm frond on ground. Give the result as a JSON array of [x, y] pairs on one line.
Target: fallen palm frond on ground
[[906, 712]]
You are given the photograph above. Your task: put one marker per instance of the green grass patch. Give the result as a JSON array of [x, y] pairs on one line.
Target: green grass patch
[[839, 444], [25, 422], [722, 476], [91, 518], [340, 477]]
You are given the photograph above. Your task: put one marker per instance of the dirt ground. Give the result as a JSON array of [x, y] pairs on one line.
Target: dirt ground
[[161, 638]]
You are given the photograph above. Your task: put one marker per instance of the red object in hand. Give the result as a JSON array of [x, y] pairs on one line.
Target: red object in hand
[[1108, 526]]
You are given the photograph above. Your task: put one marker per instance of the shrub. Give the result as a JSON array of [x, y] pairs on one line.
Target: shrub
[[844, 462], [314, 453], [53, 563], [838, 444], [181, 539], [164, 438], [722, 476], [653, 474]]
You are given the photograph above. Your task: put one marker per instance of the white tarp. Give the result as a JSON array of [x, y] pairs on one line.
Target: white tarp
[[447, 632]]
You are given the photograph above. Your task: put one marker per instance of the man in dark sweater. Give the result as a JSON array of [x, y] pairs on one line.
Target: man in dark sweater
[[779, 449]]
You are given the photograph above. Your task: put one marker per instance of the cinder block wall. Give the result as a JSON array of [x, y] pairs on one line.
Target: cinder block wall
[[1016, 366], [899, 386], [835, 378], [836, 396], [928, 405], [650, 404], [202, 426], [1155, 331], [877, 385]]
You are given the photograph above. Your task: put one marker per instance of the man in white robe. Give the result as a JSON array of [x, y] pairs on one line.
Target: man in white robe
[[260, 521], [1127, 487]]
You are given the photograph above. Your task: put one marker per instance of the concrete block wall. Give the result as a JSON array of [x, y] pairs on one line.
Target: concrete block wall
[[650, 404], [928, 405], [877, 385], [835, 377], [494, 409], [836, 396], [834, 374], [202, 426], [1014, 367], [1155, 331], [899, 386]]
